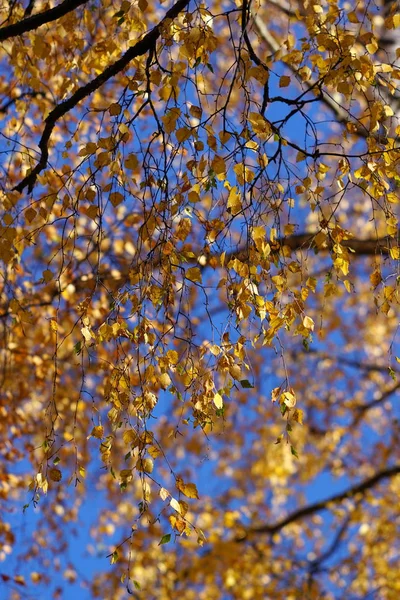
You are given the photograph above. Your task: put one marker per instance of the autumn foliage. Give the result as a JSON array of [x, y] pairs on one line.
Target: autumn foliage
[[199, 299]]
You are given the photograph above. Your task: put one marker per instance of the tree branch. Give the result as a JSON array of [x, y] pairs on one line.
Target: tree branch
[[4, 107], [309, 510], [141, 47], [363, 408], [307, 241], [304, 241], [35, 21], [341, 113]]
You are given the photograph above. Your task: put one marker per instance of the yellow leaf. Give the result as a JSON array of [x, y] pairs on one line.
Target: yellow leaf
[[300, 157], [55, 474], [116, 198], [218, 165], [372, 47], [145, 465], [188, 489], [352, 17], [154, 451], [97, 432], [298, 416], [196, 111], [289, 229], [347, 285], [131, 162], [164, 494], [170, 119], [175, 505], [183, 134], [30, 214], [165, 380], [172, 357], [284, 81], [193, 274], [260, 125], [53, 325], [90, 148], [289, 399], [218, 401], [243, 173], [193, 195], [308, 323], [275, 394], [114, 109], [92, 212], [215, 350], [130, 437], [87, 334], [234, 204], [375, 277]]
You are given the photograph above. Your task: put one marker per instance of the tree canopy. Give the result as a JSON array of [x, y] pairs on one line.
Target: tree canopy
[[199, 249]]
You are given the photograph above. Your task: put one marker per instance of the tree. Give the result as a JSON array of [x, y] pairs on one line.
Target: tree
[[199, 298]]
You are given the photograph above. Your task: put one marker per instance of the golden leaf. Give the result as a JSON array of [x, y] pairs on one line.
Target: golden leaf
[[284, 81], [308, 323], [193, 274], [97, 432], [55, 474], [218, 400]]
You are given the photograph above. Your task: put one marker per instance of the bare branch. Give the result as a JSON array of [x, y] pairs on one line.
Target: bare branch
[[311, 509]]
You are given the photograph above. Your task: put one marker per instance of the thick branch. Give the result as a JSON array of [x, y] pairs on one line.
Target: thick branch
[[4, 107], [341, 360], [365, 247], [39, 19], [141, 47], [311, 509], [306, 241], [363, 408]]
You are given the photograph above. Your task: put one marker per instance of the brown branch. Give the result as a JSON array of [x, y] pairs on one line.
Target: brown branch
[[306, 241], [4, 107], [141, 47], [35, 21], [105, 276], [311, 509], [363, 408], [341, 361], [360, 246]]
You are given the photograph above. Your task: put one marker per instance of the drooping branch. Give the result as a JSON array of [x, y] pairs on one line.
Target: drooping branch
[[341, 114], [35, 21], [143, 46], [311, 509]]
